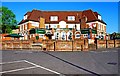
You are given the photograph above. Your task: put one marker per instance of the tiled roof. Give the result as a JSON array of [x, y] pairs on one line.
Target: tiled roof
[[62, 16], [34, 15]]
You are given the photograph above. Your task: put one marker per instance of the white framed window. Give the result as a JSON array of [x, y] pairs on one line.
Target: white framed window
[[25, 37], [53, 18], [33, 35], [25, 26], [103, 28], [70, 36], [30, 36], [63, 35], [3, 37], [57, 35], [25, 17], [53, 25], [41, 35], [77, 35], [99, 26], [47, 26], [21, 27], [71, 18], [99, 17]]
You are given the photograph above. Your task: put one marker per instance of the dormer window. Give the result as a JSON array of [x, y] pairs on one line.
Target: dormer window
[[25, 17], [99, 17], [71, 18], [53, 18]]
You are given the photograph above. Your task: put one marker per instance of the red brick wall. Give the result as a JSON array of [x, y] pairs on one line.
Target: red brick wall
[[75, 45]]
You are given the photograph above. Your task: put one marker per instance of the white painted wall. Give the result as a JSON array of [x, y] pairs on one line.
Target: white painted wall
[[62, 24], [71, 25], [78, 26], [36, 24]]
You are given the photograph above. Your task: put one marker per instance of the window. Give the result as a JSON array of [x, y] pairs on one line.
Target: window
[[26, 33], [26, 26], [63, 37], [99, 26], [47, 27], [23, 27], [99, 17], [54, 18], [53, 25], [41, 36], [70, 36], [33, 35], [57, 35], [25, 17], [71, 18], [77, 35]]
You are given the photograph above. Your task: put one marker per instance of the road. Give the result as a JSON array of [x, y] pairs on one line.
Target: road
[[59, 63]]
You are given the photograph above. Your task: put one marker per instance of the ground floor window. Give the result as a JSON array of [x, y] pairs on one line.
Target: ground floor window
[[63, 37], [57, 36], [70, 36]]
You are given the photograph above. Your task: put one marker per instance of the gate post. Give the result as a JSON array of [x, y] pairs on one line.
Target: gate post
[[54, 45], [72, 45], [106, 44]]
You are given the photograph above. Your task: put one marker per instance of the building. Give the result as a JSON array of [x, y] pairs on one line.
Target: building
[[62, 25]]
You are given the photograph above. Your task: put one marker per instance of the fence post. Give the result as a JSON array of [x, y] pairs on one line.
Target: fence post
[[106, 44], [20, 43], [54, 45], [12, 46], [81, 48], [114, 43], [72, 45], [96, 42]]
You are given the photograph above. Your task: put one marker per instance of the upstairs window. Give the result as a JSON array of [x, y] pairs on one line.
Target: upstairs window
[[25, 17], [71, 18], [99, 17], [54, 18]]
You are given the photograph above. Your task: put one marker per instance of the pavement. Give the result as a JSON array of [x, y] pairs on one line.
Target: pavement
[[94, 63]]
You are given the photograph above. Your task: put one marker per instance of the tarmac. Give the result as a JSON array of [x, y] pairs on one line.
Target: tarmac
[[26, 62]]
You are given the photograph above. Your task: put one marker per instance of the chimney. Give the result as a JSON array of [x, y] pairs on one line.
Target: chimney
[[42, 23]]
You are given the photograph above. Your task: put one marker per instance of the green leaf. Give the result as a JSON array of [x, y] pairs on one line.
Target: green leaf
[[7, 19]]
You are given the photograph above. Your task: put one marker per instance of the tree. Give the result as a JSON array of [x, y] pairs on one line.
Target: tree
[[7, 19]]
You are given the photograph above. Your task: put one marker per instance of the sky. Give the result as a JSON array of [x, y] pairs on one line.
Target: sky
[[108, 10]]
